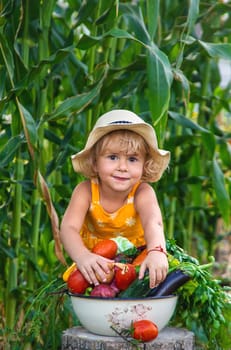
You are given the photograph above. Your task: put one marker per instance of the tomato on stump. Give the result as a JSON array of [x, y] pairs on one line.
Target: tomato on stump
[[124, 276], [76, 282], [144, 330]]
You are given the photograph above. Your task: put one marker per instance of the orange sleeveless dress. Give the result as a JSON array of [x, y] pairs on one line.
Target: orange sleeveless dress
[[99, 224]]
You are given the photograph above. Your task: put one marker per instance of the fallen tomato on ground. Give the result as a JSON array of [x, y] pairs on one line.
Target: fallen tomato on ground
[[144, 330], [76, 282]]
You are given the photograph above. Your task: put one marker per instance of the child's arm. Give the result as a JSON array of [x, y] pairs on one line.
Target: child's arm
[[88, 263], [148, 208]]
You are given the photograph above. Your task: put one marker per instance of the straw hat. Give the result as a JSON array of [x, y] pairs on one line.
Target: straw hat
[[121, 119]]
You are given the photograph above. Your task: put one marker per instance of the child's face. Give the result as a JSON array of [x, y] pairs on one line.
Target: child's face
[[118, 165]]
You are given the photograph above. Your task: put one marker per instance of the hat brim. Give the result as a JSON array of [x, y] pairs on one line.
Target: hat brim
[[161, 157]]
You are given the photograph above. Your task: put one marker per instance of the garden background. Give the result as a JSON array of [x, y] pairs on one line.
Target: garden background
[[63, 64]]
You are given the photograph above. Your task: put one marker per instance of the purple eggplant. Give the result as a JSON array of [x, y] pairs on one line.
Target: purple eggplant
[[172, 282]]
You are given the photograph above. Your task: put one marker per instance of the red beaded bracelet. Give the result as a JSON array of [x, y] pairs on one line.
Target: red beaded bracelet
[[157, 249]]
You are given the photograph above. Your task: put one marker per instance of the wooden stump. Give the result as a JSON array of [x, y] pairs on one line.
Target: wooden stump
[[170, 338]]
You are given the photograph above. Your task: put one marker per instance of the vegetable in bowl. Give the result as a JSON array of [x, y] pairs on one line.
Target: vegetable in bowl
[[202, 297]]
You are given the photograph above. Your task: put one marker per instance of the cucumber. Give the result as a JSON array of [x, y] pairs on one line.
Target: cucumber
[[138, 288]]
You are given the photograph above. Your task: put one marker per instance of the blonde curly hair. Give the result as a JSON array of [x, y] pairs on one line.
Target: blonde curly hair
[[129, 141]]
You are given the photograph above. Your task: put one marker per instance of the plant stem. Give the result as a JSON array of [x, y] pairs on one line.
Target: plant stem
[[173, 205], [12, 283], [36, 213]]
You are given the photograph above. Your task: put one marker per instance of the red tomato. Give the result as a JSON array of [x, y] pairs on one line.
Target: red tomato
[[124, 277], [144, 330], [106, 248], [77, 283]]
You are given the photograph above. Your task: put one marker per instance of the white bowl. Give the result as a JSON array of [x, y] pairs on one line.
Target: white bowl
[[98, 315]]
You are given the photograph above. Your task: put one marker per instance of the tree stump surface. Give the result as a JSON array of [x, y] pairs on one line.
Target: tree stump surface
[[170, 338]]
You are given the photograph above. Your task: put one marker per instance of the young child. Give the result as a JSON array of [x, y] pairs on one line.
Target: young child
[[119, 159]]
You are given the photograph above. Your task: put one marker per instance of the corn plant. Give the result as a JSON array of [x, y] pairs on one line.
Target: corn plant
[[62, 64]]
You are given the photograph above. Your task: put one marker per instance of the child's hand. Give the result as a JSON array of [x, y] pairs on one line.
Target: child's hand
[[157, 264], [91, 264]]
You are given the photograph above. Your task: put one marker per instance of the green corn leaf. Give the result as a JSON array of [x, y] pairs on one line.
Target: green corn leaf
[[209, 141], [36, 70], [223, 200], [159, 71], [8, 152], [208, 138], [225, 153], [137, 25], [185, 122], [29, 126], [217, 50], [85, 10], [73, 104], [180, 77], [152, 16], [193, 13], [7, 57], [159, 82], [86, 41], [195, 167], [159, 75], [76, 103]]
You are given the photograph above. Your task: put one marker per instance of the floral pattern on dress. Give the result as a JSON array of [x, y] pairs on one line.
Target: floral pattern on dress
[[130, 221], [130, 200], [113, 215], [100, 223]]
